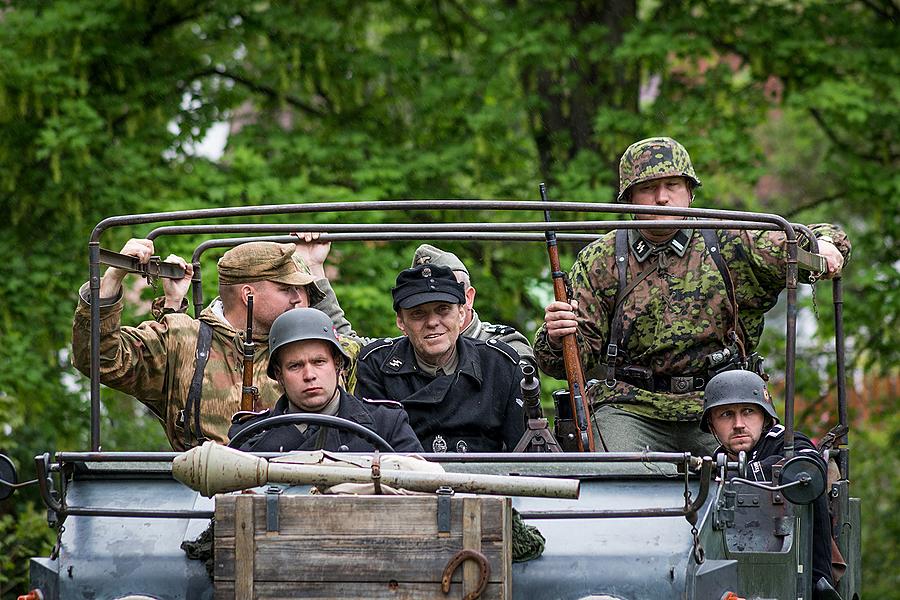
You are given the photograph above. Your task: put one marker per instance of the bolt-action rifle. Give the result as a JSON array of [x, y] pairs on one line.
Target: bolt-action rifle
[[574, 373], [249, 392]]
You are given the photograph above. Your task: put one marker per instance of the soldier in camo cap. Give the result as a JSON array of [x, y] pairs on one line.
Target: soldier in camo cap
[[473, 326], [188, 371], [693, 302]]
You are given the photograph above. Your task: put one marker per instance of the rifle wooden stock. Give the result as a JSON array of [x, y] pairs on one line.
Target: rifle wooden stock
[[249, 392], [571, 357]]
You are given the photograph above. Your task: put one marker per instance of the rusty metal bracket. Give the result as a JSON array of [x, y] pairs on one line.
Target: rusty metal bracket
[[458, 558], [444, 494], [272, 494]]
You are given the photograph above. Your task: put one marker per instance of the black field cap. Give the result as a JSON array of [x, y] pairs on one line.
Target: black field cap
[[427, 283]]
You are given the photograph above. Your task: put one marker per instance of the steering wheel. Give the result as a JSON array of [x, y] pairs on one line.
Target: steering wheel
[[312, 419]]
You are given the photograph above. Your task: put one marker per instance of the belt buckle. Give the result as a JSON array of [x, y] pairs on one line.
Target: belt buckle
[[681, 385]]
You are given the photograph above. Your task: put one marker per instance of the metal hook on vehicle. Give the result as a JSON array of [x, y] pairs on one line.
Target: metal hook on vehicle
[[458, 558]]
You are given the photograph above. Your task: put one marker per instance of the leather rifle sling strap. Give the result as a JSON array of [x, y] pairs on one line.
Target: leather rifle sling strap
[[714, 247], [192, 405]]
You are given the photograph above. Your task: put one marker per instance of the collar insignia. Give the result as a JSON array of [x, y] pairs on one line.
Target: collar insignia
[[395, 363], [641, 248]]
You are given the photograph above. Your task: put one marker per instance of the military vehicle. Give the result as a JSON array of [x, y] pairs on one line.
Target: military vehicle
[[644, 525]]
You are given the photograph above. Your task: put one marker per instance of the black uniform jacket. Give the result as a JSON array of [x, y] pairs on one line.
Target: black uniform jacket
[[384, 417], [476, 409], [768, 451]]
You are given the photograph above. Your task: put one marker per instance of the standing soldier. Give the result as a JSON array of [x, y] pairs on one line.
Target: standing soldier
[[188, 371], [656, 311]]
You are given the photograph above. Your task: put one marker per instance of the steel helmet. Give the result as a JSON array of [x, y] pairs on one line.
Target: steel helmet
[[297, 325], [654, 158], [736, 387]]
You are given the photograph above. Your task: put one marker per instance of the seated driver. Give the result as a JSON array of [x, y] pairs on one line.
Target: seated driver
[[306, 359], [738, 411]]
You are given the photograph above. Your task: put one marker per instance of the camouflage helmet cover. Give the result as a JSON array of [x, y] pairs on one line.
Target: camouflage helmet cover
[[297, 325], [654, 158], [736, 387]]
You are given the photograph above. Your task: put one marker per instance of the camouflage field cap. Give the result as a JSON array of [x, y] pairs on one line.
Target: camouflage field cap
[[427, 254], [654, 158], [736, 387], [267, 261]]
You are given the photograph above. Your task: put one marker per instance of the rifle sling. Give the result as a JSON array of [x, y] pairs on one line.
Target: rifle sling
[[714, 247], [192, 406]]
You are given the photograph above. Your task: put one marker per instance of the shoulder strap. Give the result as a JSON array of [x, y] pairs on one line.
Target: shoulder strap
[[711, 239], [615, 322], [204, 341]]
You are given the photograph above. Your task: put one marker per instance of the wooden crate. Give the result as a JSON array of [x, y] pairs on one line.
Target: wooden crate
[[358, 546]]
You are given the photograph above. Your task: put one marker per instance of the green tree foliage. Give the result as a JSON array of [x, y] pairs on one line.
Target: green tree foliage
[[787, 106]]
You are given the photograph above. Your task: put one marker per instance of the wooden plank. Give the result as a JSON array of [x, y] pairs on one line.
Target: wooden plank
[[290, 558], [244, 548], [472, 541], [398, 590], [363, 515], [506, 558]]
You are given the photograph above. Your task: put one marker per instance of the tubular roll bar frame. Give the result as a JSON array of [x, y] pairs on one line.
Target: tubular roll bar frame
[[464, 205], [44, 468]]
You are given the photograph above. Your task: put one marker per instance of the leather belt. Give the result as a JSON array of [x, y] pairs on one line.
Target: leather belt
[[675, 384]]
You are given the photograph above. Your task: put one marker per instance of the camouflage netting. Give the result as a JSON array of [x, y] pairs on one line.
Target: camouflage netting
[[203, 548], [527, 541]]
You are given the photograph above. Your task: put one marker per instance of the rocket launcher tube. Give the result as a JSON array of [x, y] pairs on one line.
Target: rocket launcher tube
[[213, 469]]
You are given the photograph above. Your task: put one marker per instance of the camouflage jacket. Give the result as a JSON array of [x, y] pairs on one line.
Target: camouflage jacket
[[154, 362], [676, 316]]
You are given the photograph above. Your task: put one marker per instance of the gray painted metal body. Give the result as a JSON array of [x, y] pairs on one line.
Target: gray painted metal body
[[627, 558]]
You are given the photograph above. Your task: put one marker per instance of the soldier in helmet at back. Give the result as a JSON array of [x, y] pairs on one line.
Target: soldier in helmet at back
[[657, 312], [738, 412], [306, 359]]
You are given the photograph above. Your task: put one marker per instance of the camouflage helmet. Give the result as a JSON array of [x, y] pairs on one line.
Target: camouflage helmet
[[654, 158], [736, 387], [297, 325]]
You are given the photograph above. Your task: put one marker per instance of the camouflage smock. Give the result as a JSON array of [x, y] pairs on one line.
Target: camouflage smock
[[154, 362], [676, 316]]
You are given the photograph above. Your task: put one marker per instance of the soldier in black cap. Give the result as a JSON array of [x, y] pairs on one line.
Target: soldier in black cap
[[462, 395]]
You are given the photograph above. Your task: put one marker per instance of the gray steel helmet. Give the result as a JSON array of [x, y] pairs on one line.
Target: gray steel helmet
[[736, 387], [300, 324]]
